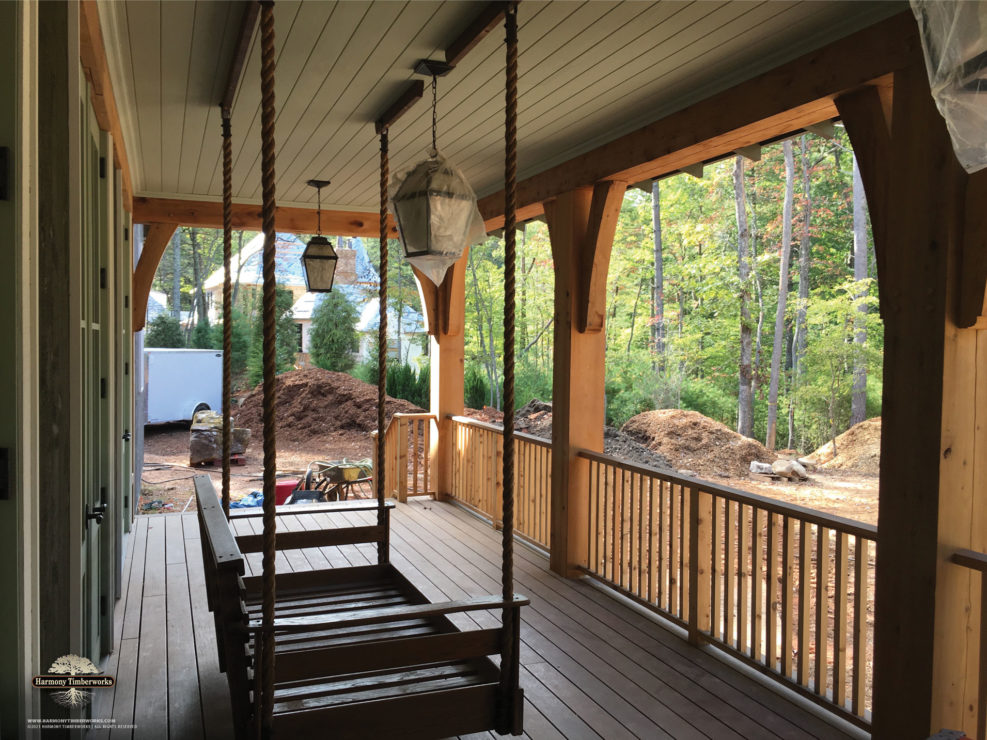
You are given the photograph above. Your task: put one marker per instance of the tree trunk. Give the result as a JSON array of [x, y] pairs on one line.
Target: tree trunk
[[786, 252], [239, 266], [176, 279], [858, 402], [758, 292], [658, 289], [491, 373], [805, 256], [637, 300], [745, 399]]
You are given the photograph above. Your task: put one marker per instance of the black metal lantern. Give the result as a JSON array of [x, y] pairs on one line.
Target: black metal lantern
[[319, 258], [435, 207]]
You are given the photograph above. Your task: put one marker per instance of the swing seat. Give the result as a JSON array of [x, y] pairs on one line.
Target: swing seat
[[359, 651]]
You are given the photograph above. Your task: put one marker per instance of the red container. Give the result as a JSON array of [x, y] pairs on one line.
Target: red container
[[283, 489]]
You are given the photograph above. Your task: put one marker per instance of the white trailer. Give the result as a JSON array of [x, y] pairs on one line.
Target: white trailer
[[179, 382]]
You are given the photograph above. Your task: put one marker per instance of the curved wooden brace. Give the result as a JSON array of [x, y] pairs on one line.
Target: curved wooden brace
[[444, 305], [156, 238]]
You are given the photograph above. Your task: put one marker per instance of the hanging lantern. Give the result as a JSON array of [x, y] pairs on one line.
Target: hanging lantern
[[319, 258], [435, 208]]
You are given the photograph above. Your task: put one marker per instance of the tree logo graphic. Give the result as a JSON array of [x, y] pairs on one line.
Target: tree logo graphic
[[75, 677]]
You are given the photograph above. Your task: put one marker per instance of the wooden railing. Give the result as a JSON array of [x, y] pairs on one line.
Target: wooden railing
[[407, 439], [785, 589], [477, 480], [977, 561]]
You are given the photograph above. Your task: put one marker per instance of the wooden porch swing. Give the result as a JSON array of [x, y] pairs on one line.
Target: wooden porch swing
[[359, 651]]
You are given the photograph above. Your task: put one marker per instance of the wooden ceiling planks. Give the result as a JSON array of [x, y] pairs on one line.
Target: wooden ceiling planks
[[590, 72]]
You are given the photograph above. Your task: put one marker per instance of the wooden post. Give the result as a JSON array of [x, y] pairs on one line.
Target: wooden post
[[445, 309], [581, 225], [935, 377]]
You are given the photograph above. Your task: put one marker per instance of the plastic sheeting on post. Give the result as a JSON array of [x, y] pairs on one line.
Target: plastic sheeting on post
[[954, 41]]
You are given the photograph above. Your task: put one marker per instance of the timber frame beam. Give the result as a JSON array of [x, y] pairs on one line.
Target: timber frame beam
[[93, 54], [156, 238], [444, 304], [781, 101], [209, 215]]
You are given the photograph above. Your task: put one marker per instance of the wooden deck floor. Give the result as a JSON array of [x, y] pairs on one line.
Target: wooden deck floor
[[591, 666]]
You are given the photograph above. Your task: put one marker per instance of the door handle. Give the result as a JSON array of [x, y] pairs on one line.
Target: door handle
[[96, 513], [126, 436]]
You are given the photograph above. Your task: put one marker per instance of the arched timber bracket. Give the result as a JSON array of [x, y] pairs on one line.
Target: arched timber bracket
[[444, 304], [866, 112], [592, 258], [156, 238]]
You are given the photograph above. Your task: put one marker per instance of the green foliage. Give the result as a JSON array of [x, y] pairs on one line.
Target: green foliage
[[285, 339], [164, 331], [476, 390], [202, 336], [404, 382], [239, 342], [333, 339]]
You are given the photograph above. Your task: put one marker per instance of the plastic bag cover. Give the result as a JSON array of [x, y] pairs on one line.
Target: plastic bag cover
[[954, 40], [452, 216]]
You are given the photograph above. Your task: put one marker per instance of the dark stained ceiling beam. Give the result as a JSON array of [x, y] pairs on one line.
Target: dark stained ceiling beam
[[412, 93], [484, 23], [247, 26]]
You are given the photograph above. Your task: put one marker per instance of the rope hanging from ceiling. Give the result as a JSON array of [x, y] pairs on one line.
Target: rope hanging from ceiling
[[269, 293], [227, 302], [510, 235], [382, 342]]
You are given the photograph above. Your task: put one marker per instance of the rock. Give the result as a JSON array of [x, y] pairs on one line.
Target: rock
[[806, 463], [240, 441], [789, 469], [689, 473], [761, 468]]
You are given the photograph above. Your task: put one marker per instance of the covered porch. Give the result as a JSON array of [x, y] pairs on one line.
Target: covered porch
[[592, 665]]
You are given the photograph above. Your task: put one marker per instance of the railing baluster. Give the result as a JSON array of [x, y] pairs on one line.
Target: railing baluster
[[859, 686], [715, 572], [743, 579], [771, 581], [673, 550], [641, 569], [840, 621], [822, 609], [729, 573], [652, 540], [787, 555], [757, 585], [805, 613]]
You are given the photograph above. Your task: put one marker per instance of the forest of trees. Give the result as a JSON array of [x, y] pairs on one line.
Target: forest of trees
[[748, 294], [761, 312]]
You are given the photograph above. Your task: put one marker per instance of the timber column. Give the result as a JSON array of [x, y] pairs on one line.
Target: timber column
[[581, 225], [445, 311]]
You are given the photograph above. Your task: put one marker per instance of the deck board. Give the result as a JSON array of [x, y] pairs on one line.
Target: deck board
[[591, 666]]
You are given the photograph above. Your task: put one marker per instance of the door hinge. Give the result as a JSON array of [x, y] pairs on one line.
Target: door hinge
[[126, 234], [102, 387], [102, 278], [102, 168], [126, 368], [102, 605], [126, 301]]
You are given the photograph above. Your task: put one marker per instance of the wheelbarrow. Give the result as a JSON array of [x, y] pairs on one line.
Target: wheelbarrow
[[332, 480]]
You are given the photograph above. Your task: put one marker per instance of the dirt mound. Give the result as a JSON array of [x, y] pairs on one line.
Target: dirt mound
[[313, 403], [857, 449], [695, 442], [535, 418]]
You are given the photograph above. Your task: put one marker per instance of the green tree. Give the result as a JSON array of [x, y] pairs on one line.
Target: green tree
[[285, 339], [239, 341], [164, 331], [202, 336], [334, 340]]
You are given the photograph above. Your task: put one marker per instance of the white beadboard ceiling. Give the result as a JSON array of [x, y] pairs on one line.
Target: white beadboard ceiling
[[589, 72]]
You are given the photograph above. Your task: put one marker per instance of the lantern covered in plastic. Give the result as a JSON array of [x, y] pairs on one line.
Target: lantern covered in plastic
[[437, 217], [319, 262]]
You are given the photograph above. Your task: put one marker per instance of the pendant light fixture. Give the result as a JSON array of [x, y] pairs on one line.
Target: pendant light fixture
[[319, 258], [434, 205]]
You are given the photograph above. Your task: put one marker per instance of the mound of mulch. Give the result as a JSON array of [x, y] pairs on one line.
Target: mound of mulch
[[697, 443], [858, 449], [535, 418], [313, 403]]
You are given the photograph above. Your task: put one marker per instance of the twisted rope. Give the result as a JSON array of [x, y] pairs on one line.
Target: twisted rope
[[227, 303], [269, 305], [507, 656], [382, 339]]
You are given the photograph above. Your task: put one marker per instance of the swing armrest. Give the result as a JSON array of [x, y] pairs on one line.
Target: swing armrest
[[361, 617]]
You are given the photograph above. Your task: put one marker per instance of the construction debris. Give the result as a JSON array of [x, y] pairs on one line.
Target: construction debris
[[858, 449]]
